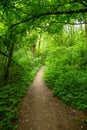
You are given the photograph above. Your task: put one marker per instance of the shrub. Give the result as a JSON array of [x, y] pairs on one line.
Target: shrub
[[66, 74]]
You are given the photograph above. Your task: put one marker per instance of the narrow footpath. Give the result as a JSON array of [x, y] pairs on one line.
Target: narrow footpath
[[40, 110]]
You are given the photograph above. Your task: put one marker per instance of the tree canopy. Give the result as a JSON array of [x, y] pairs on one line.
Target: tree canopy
[[42, 32]]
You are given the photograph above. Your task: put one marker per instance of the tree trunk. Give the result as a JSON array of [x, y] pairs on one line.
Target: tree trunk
[[86, 27], [39, 44], [33, 50], [6, 73]]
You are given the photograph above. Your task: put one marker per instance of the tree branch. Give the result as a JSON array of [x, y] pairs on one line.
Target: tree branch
[[82, 2], [54, 22], [4, 54], [49, 14]]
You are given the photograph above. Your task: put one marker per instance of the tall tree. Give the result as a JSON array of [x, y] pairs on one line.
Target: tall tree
[[18, 16]]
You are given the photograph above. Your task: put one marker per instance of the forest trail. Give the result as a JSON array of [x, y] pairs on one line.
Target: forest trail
[[40, 110]]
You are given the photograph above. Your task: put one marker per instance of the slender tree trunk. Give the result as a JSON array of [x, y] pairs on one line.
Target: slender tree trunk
[[6, 73], [39, 44], [33, 50], [86, 27]]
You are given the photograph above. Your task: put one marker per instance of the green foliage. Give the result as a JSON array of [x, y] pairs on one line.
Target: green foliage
[[18, 65], [22, 73], [85, 120], [66, 74]]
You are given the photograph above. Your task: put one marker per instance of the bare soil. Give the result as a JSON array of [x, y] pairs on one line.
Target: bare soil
[[40, 110]]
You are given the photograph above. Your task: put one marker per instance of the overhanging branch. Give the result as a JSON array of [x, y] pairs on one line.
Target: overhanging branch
[[82, 2], [54, 22], [5, 55], [34, 17]]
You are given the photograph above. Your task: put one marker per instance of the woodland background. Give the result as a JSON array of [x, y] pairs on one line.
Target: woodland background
[[35, 33]]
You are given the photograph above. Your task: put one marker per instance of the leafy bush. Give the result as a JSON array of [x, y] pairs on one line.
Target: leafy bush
[[10, 97], [66, 74], [21, 75]]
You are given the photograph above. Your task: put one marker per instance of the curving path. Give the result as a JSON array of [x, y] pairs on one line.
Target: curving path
[[41, 111]]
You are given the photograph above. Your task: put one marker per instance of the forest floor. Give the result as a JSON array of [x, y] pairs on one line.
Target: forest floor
[[40, 110]]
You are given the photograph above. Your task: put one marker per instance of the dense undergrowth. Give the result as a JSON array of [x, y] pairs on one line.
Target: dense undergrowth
[[21, 75], [66, 74]]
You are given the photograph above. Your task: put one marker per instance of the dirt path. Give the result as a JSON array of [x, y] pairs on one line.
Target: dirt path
[[41, 111]]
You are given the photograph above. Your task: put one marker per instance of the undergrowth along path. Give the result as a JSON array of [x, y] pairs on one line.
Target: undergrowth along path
[[40, 110]]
